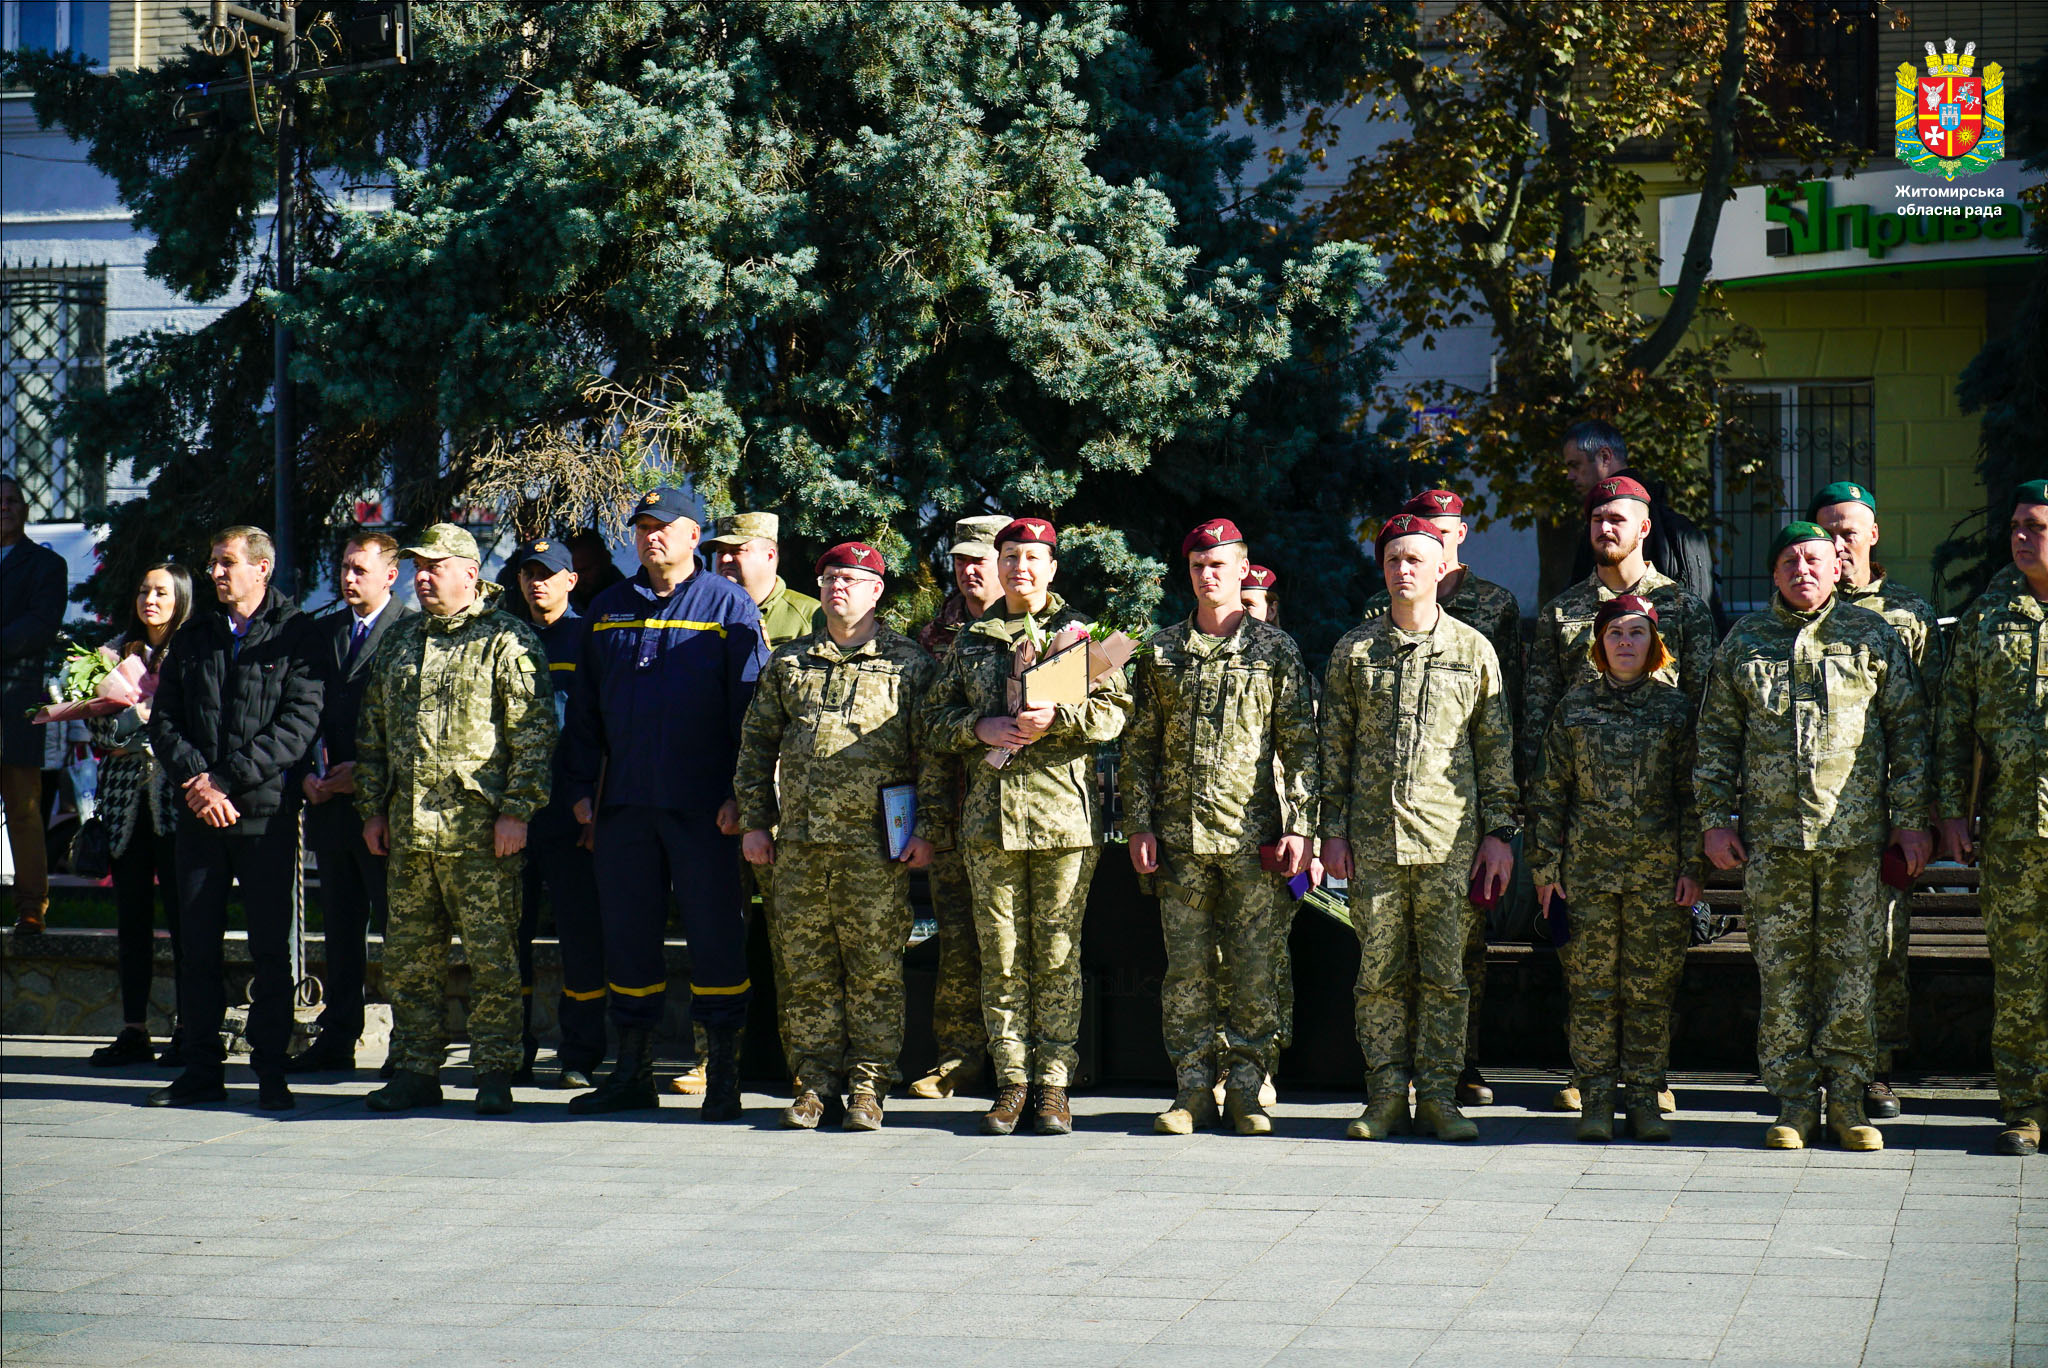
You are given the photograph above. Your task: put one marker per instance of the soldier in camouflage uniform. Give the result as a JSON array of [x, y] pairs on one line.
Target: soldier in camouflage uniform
[[454, 748], [835, 710], [957, 1026], [1611, 828], [1617, 512], [1220, 758], [1494, 613], [1994, 699], [1417, 808], [1848, 511], [1814, 739], [1031, 830]]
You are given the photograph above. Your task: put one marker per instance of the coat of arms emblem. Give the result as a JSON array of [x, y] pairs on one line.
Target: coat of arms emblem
[[1949, 122]]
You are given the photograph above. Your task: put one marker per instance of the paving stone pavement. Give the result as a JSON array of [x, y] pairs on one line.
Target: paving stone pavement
[[228, 1236]]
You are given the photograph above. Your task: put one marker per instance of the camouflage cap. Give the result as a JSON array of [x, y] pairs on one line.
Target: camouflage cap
[[1842, 491], [737, 529], [976, 536], [445, 541]]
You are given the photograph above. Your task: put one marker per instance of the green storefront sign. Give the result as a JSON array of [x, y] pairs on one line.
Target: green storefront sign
[[1814, 225]]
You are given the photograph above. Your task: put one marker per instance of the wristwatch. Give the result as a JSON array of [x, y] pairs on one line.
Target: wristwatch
[[1506, 834]]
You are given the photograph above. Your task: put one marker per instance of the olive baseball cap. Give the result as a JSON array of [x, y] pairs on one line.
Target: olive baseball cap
[[444, 541], [737, 529], [976, 536]]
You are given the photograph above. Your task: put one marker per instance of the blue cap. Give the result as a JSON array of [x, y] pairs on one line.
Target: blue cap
[[546, 552], [668, 503]]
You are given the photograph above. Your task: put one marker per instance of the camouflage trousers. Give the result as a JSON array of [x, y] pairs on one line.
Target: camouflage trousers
[[1413, 922], [2016, 931], [957, 1022], [842, 919], [1621, 971], [1278, 927], [1218, 1000], [1816, 932], [1475, 984], [1028, 906], [432, 896], [1891, 989]]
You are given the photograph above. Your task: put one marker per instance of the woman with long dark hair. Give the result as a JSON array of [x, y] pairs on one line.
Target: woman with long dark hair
[[140, 813]]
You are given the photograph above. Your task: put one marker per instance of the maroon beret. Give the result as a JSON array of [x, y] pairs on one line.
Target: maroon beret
[[1029, 532], [1435, 503], [1621, 606], [1615, 487], [854, 556], [1210, 535], [1259, 577], [1405, 525]]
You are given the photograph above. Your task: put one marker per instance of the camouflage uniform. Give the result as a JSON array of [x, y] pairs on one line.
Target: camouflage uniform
[[1417, 764], [1995, 697], [1815, 733], [1611, 819], [1220, 757], [1917, 624], [1496, 614], [957, 1025], [827, 728], [1031, 832], [457, 729]]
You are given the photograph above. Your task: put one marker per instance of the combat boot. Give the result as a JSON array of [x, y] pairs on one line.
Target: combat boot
[[630, 1084], [1246, 1115], [1797, 1126], [405, 1091], [1385, 1116], [951, 1076], [1055, 1117], [721, 1076], [1002, 1118], [1667, 1101], [1192, 1109], [1646, 1116], [690, 1082], [1847, 1120], [2022, 1134], [1596, 1112], [1566, 1099], [1879, 1101], [805, 1113], [493, 1093], [863, 1113], [1444, 1121]]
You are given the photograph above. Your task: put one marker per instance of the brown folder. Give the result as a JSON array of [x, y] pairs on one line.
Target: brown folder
[[1060, 678]]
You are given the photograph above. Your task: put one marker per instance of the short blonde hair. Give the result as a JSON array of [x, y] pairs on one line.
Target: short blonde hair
[[255, 538]]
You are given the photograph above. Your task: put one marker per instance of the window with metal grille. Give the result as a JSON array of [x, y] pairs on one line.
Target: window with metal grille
[[53, 325], [1779, 446]]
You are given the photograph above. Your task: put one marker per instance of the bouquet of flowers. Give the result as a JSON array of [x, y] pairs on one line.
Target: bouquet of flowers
[[1108, 651], [97, 683]]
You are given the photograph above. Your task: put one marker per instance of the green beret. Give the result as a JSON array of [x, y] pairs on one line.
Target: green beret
[[1795, 533], [2032, 492], [1842, 491]]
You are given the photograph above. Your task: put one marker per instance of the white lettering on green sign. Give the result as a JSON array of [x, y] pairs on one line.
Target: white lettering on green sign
[[1815, 225]]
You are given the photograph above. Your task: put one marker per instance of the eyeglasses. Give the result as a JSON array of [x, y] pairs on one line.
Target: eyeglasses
[[845, 577]]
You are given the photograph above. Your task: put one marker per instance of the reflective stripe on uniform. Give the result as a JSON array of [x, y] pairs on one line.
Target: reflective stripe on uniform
[[563, 665], [649, 991], [702, 991], [592, 996], [682, 623]]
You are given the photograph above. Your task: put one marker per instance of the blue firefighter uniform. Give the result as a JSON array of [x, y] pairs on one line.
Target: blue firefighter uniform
[[663, 685]]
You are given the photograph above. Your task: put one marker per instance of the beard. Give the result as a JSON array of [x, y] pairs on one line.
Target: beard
[[1613, 553]]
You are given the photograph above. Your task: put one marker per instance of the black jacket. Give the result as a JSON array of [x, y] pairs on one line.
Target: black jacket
[[32, 582], [247, 716], [335, 824], [1676, 547]]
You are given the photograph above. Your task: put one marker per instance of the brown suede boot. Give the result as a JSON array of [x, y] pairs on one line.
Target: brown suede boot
[[2022, 1134], [805, 1113], [1054, 1116], [1002, 1118]]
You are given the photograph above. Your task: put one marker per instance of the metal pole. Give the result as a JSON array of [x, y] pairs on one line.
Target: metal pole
[[284, 460]]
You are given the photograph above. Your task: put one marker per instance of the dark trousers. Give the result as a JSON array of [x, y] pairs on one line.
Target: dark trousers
[[148, 861], [564, 871], [352, 901], [645, 854], [210, 861]]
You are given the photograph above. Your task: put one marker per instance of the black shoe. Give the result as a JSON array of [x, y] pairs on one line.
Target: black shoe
[[1880, 1103], [493, 1093], [322, 1059], [131, 1046], [573, 1077], [171, 1056], [630, 1084], [188, 1089], [404, 1092], [721, 1076], [1473, 1089], [272, 1094], [388, 1070]]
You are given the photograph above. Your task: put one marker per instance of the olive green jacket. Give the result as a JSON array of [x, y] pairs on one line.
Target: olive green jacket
[[787, 615]]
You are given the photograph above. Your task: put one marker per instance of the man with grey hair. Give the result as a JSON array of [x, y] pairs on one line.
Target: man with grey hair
[[1595, 451], [236, 710]]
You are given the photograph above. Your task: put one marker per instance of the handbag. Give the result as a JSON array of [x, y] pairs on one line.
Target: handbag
[[92, 853]]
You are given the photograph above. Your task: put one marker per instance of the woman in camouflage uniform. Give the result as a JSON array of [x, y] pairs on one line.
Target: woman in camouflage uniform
[[1612, 827]]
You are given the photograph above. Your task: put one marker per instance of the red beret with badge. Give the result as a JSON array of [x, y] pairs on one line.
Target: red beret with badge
[[1029, 532], [1616, 487], [854, 556], [1259, 577], [1435, 503], [1210, 535], [1405, 525]]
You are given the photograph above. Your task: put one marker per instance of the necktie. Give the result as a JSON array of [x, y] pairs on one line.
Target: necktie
[[358, 633]]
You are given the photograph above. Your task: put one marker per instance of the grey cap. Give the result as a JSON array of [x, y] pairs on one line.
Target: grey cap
[[976, 536]]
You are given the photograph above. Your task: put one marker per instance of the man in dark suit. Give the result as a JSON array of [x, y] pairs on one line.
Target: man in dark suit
[[32, 580], [351, 878]]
